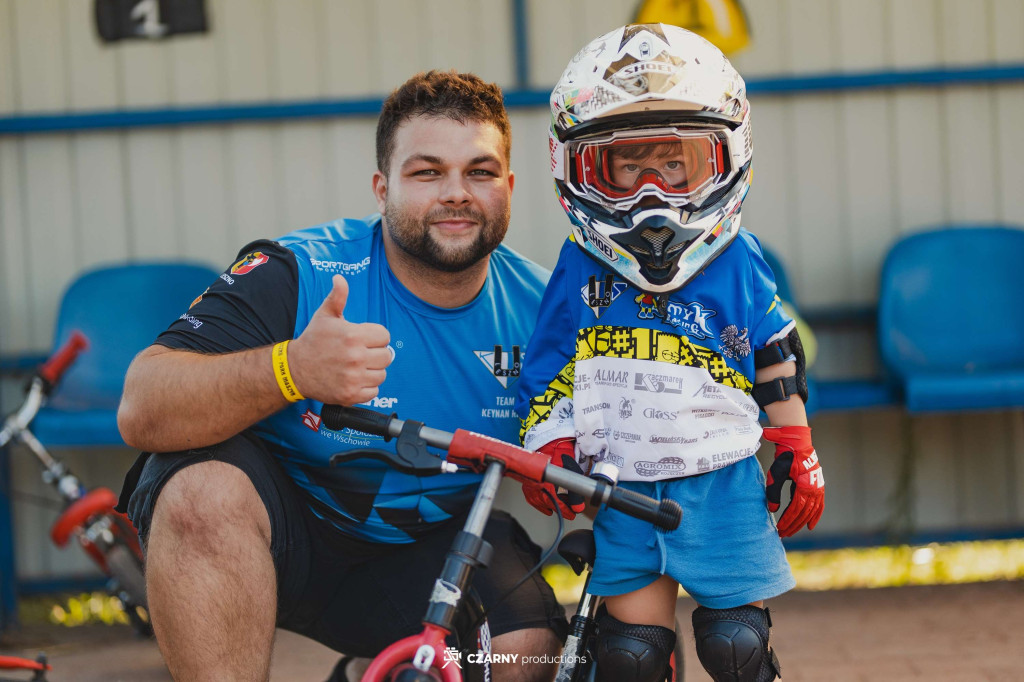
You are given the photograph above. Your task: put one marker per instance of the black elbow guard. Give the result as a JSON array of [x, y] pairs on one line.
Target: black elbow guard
[[781, 388]]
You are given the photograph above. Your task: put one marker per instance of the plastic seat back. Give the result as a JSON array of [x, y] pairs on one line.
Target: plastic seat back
[[121, 309], [950, 301]]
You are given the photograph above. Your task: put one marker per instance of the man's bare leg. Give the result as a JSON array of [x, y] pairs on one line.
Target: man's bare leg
[[531, 643], [210, 579]]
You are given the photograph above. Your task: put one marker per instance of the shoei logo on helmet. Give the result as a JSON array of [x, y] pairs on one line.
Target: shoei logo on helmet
[[249, 263]]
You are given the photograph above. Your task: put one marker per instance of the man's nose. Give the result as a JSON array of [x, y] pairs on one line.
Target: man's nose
[[455, 191]]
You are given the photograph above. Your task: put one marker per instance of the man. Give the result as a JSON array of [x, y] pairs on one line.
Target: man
[[420, 310]]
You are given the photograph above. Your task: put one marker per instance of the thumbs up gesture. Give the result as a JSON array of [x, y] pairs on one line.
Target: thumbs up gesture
[[337, 361]]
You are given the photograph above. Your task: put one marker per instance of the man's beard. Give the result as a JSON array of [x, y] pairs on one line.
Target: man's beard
[[412, 235]]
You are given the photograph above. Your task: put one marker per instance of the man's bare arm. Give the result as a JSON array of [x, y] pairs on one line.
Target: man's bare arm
[[177, 399]]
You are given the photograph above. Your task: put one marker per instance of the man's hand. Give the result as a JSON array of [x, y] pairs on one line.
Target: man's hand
[[562, 453], [796, 461], [336, 361]]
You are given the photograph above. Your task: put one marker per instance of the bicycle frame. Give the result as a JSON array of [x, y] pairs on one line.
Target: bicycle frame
[[425, 652], [106, 536]]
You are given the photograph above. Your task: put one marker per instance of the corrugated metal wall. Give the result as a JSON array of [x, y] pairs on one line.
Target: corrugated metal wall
[[838, 176]]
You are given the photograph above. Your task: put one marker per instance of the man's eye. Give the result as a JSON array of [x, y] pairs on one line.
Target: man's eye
[[482, 171], [426, 171]]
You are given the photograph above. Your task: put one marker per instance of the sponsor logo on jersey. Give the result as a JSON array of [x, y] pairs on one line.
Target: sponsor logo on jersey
[[660, 415], [311, 420], [504, 365], [664, 467], [599, 294], [381, 402], [249, 263], [595, 408], [657, 383], [192, 320], [338, 267], [227, 278], [198, 298], [626, 407], [734, 343], [690, 318], [710, 390], [703, 465]]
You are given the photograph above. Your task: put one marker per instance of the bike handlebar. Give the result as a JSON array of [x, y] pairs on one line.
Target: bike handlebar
[[54, 368], [473, 449]]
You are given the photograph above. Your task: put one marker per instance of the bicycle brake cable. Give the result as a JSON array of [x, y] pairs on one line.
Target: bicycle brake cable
[[543, 558]]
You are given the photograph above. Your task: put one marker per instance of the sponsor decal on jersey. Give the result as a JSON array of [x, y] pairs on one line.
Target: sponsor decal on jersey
[[734, 343], [192, 320], [505, 410], [690, 318], [311, 420], [249, 263], [227, 278], [337, 267], [599, 294], [626, 407], [198, 298], [504, 365], [666, 467], [657, 383], [381, 402], [703, 465]]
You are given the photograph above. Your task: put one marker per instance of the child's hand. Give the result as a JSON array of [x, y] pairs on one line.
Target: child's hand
[[796, 461], [562, 453]]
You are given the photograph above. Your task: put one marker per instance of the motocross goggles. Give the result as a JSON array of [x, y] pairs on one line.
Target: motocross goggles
[[680, 166]]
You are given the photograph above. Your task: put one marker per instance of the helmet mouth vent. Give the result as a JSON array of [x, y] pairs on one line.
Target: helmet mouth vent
[[657, 237]]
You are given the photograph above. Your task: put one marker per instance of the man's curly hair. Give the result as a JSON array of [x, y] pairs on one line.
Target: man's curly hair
[[459, 96]]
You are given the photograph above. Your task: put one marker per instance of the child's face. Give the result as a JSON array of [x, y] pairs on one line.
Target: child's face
[[674, 162]]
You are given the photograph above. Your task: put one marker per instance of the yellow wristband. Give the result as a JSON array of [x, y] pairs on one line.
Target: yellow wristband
[[284, 374]]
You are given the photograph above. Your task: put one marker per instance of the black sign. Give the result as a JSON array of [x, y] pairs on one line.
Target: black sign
[[149, 19]]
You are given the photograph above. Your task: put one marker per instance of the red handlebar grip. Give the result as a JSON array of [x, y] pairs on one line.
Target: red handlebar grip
[[54, 368]]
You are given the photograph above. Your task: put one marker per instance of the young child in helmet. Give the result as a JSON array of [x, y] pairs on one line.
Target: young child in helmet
[[659, 339]]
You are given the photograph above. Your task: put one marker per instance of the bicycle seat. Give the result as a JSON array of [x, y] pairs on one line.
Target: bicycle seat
[[578, 549]]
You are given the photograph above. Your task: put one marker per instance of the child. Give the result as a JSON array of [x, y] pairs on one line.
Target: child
[[659, 338]]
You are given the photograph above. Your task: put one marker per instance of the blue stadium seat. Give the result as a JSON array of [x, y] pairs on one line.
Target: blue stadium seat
[[121, 309], [951, 318]]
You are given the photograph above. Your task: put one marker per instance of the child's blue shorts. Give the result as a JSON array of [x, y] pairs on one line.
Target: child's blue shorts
[[725, 553]]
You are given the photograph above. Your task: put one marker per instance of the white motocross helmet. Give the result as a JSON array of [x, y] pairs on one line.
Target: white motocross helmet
[[650, 149]]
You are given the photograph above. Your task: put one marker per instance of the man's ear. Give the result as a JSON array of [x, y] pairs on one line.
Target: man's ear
[[380, 189], [511, 181]]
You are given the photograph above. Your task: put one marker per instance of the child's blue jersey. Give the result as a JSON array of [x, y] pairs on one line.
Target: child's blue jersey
[[658, 385], [453, 368]]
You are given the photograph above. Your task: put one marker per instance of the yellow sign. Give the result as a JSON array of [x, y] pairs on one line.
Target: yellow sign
[[722, 22]]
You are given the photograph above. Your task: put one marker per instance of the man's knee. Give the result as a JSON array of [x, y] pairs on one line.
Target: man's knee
[[537, 654], [205, 501]]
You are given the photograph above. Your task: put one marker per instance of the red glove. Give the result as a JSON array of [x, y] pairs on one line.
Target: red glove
[[796, 461], [562, 453]]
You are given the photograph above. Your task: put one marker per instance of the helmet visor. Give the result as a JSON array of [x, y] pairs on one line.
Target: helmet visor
[[678, 166]]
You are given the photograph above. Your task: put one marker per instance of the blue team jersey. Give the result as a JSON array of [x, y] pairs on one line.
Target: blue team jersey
[[657, 385], [453, 368]]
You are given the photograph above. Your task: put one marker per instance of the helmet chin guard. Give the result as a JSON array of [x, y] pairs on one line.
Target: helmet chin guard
[[650, 151]]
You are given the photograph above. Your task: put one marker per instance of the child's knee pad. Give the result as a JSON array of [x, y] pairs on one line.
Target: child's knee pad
[[632, 653], [732, 644]]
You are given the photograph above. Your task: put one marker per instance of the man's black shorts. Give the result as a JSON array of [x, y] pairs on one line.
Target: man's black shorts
[[355, 596]]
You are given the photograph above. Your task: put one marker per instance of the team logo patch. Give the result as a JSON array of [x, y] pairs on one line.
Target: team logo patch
[[503, 365], [690, 318], [311, 420], [735, 344], [249, 263], [598, 295], [198, 298]]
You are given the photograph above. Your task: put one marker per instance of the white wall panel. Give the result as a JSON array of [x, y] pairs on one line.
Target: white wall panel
[[964, 31], [1006, 24], [153, 204], [919, 158], [100, 195], [8, 52], [812, 35], [396, 27], [350, 53], [15, 330], [40, 64], [253, 188], [50, 226], [203, 202], [145, 73], [92, 68], [970, 135], [495, 42], [302, 176], [766, 55], [768, 210], [351, 161], [1009, 168], [295, 49], [913, 33], [246, 57], [861, 37]]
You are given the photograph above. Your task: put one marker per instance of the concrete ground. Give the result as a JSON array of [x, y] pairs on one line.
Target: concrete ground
[[954, 633]]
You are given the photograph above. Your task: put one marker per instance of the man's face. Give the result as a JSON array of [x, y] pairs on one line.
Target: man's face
[[447, 194]]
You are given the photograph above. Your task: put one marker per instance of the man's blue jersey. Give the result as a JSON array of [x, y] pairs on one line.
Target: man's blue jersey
[[657, 385], [453, 368]]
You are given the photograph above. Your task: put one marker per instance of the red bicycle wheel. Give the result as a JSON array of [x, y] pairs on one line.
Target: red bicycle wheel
[[97, 501]]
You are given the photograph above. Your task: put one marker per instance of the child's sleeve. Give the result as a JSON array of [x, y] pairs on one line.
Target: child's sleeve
[[546, 384], [769, 321]]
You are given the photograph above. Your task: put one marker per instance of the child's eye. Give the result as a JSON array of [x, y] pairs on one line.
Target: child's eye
[[673, 165], [631, 167]]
